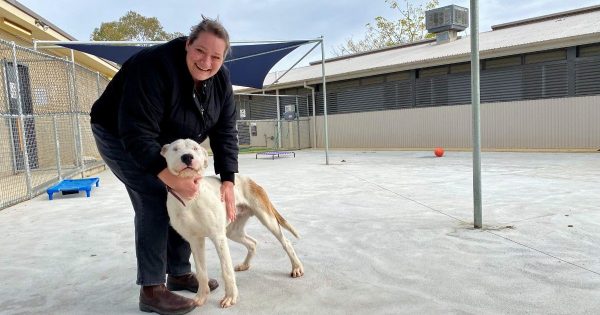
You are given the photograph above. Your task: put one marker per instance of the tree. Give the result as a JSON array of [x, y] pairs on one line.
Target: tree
[[408, 28], [133, 27]]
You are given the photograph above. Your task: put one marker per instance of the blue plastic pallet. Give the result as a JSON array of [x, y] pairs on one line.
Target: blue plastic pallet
[[73, 186]]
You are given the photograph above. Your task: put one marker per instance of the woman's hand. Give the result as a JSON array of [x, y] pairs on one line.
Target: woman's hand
[[185, 187], [228, 197]]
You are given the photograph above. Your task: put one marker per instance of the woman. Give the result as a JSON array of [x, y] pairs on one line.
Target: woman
[[166, 92]]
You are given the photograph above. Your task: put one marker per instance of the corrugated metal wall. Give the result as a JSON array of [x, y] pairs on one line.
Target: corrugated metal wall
[[537, 100], [564, 123]]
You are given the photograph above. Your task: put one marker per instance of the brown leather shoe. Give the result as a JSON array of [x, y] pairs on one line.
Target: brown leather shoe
[[156, 298], [188, 282]]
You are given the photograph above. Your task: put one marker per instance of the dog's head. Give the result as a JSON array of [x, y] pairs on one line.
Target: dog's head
[[185, 157]]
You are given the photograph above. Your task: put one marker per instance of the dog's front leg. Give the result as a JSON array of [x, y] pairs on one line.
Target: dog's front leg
[[231, 291], [201, 272]]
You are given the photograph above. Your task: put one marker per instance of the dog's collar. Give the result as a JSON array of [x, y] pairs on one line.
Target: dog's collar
[[172, 192]]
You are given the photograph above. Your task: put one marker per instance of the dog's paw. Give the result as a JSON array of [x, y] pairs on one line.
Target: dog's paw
[[228, 301], [297, 272], [242, 267], [200, 299]]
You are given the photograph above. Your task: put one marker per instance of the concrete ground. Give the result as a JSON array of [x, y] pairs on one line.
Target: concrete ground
[[381, 233]]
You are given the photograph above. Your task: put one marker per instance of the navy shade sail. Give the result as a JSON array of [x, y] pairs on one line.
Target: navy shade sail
[[248, 64]]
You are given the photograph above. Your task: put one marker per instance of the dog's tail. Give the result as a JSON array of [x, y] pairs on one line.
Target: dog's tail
[[282, 222], [261, 194]]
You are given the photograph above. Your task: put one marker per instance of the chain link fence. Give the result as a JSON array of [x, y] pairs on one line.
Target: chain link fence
[[45, 133], [278, 122]]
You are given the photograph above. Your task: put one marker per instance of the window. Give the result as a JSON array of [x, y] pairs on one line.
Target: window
[[546, 56], [460, 68], [503, 62], [433, 72], [372, 80], [588, 51], [398, 76], [342, 85]]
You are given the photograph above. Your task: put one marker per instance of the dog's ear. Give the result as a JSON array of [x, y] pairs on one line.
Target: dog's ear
[[164, 149]]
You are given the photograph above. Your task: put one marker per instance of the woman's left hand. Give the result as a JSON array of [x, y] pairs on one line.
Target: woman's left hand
[[228, 197]]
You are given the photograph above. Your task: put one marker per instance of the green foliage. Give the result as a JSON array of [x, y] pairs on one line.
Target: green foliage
[[133, 27], [409, 27]]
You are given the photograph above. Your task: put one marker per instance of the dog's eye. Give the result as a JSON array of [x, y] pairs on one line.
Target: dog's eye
[[175, 149], [195, 148]]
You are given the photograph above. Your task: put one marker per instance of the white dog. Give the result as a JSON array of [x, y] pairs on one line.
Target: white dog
[[205, 216]]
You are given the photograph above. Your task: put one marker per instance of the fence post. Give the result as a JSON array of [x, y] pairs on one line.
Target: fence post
[[57, 143], [75, 109], [278, 120], [22, 135], [308, 123], [314, 118], [298, 121], [98, 83]]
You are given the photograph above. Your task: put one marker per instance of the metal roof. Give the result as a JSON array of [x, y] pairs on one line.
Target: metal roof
[[42, 29], [575, 27], [38, 17]]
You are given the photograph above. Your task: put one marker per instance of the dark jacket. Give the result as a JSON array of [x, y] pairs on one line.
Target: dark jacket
[[150, 103]]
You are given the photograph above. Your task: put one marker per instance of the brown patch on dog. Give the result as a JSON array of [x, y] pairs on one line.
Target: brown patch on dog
[[262, 197]]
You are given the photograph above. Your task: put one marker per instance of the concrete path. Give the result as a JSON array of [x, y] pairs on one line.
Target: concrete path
[[381, 233]]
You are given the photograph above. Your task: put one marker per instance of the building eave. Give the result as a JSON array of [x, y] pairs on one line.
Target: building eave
[[38, 28]]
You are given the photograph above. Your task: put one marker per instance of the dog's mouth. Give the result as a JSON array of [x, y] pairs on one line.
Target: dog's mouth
[[188, 171], [188, 168]]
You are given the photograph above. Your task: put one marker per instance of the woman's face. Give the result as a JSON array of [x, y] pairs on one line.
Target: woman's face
[[204, 56]]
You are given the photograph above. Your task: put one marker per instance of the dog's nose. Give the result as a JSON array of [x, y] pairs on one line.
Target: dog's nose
[[187, 159]]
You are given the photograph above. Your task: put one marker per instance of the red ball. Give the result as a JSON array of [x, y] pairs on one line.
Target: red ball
[[439, 152]]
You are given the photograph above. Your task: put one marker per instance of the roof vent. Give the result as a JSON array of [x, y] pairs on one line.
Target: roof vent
[[446, 22]]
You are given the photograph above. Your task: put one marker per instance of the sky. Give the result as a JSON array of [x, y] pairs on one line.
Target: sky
[[335, 20]]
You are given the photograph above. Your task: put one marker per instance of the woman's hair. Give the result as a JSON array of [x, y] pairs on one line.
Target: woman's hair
[[212, 26]]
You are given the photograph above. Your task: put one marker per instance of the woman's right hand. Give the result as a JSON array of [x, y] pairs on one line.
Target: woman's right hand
[[185, 187]]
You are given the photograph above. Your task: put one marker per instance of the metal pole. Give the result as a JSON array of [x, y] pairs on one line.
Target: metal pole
[[23, 128], [98, 83], [278, 120], [78, 141], [58, 166], [475, 101], [267, 95], [324, 101], [11, 123], [277, 78], [314, 116], [298, 121], [150, 42], [314, 120], [308, 123]]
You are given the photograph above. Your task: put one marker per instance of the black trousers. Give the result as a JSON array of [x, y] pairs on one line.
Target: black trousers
[[159, 248]]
